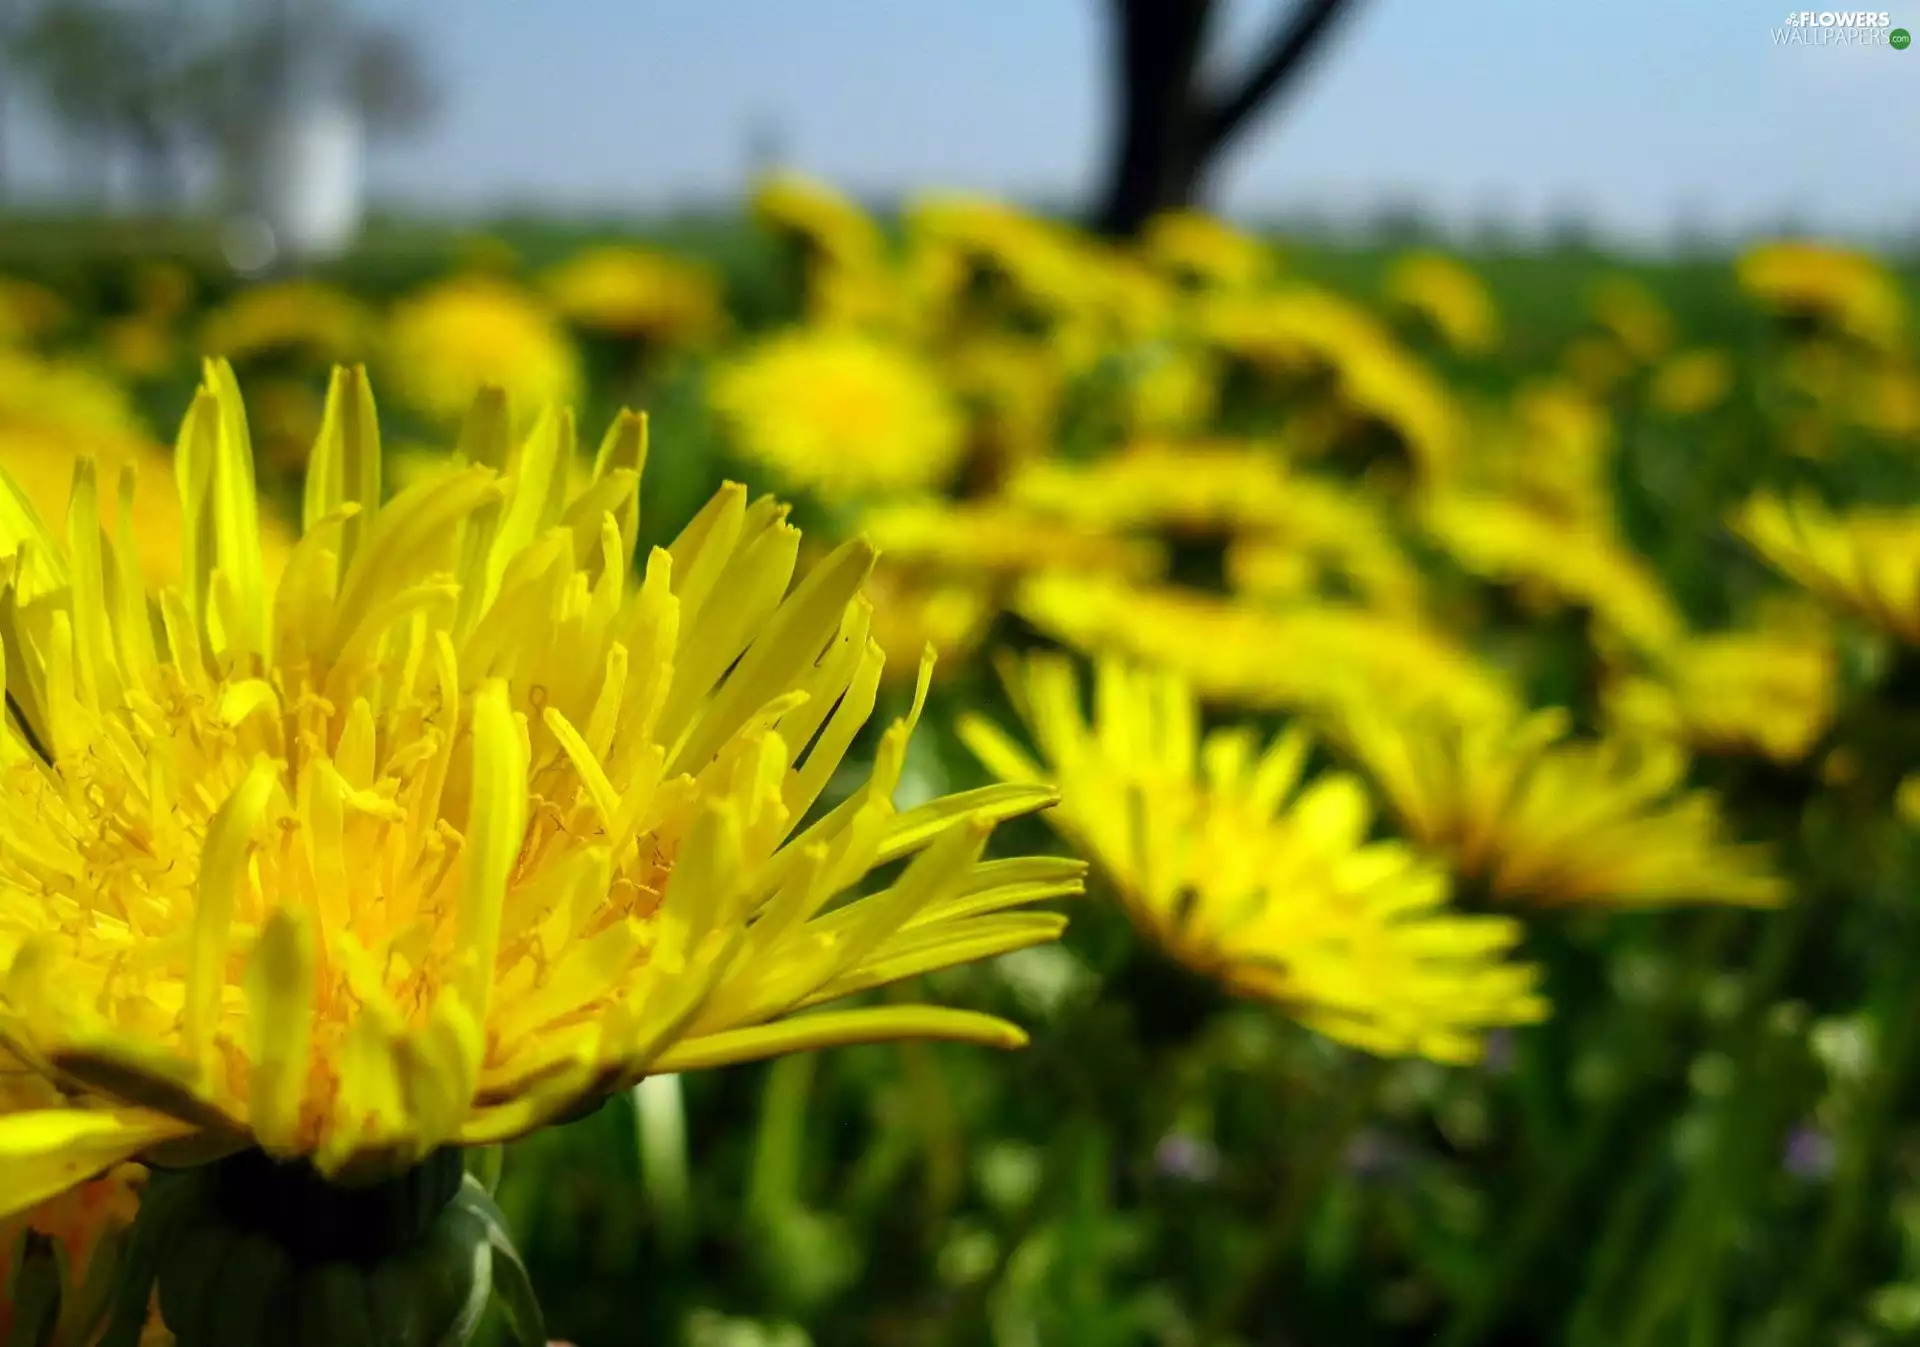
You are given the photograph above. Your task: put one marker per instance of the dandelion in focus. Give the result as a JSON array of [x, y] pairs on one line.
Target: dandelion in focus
[[457, 828]]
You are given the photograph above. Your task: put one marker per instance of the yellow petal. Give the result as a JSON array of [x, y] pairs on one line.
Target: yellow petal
[[47, 1151], [495, 826], [223, 868], [280, 989], [837, 1029]]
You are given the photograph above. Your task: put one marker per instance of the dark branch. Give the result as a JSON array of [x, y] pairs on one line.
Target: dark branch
[[1291, 46]]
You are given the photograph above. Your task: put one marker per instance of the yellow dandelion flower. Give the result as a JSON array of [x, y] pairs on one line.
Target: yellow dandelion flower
[[1691, 382], [635, 293], [848, 276], [841, 413], [1865, 562], [1308, 334], [461, 825], [451, 340], [1633, 317], [1000, 537], [1551, 447], [1336, 544], [140, 346], [1596, 363], [1763, 691], [39, 468], [1045, 267], [1887, 401], [1128, 301], [1556, 561], [1297, 330], [1202, 252], [1519, 805], [1442, 293], [1241, 655], [915, 609], [163, 290], [1906, 800], [28, 312], [1011, 387], [52, 413], [63, 397], [1226, 856], [821, 217], [948, 566], [305, 321], [1170, 390], [79, 1221], [1184, 486], [1827, 287]]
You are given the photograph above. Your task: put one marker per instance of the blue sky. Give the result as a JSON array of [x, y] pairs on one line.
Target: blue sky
[[1633, 113]]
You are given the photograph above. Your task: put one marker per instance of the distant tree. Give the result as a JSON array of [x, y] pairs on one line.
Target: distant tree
[[1171, 121], [156, 81]]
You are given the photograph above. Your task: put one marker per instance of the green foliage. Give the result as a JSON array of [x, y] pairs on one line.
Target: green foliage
[[1715, 1141]]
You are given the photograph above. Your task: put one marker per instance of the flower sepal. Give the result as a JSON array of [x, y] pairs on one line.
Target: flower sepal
[[243, 1251]]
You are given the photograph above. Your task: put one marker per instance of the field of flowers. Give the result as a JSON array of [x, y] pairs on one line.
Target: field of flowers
[[1484, 693]]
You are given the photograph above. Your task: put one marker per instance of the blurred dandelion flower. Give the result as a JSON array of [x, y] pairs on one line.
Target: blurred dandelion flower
[[460, 826], [1633, 317], [846, 270], [64, 397], [1691, 382], [449, 341], [139, 346], [1442, 293], [1764, 691], [1000, 537], [631, 292], [1865, 562], [1012, 264], [1558, 562], [1201, 252], [1336, 545], [915, 609], [841, 413], [302, 321], [1011, 387], [1316, 337], [1197, 486], [1239, 654], [1549, 447], [820, 217], [29, 313], [947, 567], [54, 412], [1827, 288], [1241, 868], [1518, 804]]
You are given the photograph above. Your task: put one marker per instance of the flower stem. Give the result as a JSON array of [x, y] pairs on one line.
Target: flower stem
[[1297, 1200]]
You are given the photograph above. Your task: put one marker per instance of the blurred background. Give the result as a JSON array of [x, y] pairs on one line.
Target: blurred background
[[1517, 357]]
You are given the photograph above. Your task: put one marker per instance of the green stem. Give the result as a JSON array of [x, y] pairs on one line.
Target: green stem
[[1854, 1192], [1546, 1212], [1297, 1201]]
